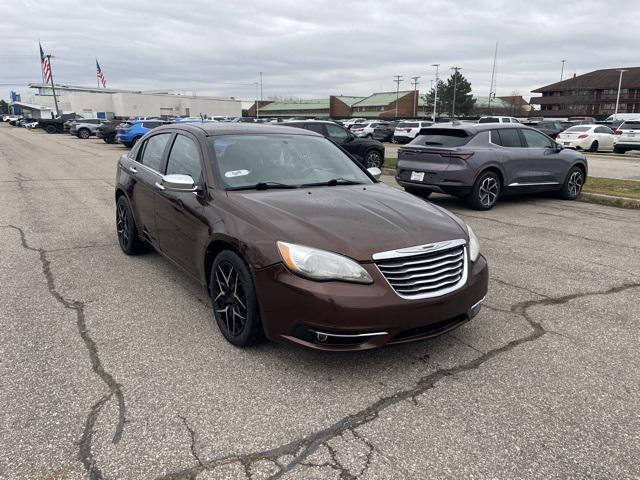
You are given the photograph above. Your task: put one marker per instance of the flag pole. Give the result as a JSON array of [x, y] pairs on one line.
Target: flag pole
[[53, 87], [97, 77]]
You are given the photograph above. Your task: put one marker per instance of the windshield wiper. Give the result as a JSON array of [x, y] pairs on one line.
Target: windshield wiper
[[264, 186], [333, 182]]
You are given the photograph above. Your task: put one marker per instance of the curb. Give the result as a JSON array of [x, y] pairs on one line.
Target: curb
[[610, 200]]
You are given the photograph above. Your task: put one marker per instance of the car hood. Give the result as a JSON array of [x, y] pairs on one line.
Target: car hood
[[355, 221]]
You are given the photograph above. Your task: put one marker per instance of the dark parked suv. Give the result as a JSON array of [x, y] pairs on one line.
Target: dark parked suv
[[481, 162], [367, 151], [295, 240]]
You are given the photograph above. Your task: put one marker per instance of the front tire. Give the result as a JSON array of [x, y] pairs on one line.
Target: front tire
[[485, 191], [126, 229], [50, 129], [233, 295], [573, 184], [83, 133], [373, 158]]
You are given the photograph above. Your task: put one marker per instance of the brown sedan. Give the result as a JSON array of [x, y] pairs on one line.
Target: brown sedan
[[294, 240]]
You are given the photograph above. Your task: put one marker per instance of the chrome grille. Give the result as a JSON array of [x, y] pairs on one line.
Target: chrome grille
[[425, 271]]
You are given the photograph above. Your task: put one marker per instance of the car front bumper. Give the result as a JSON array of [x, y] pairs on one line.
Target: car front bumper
[[360, 317]]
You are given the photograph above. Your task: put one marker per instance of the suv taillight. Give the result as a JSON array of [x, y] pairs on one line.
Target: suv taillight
[[617, 132]]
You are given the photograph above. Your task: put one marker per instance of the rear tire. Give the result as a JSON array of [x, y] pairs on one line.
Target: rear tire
[[485, 191], [619, 150], [233, 297], [373, 158], [111, 138], [126, 229], [50, 129], [594, 146], [418, 192], [83, 133], [572, 184]]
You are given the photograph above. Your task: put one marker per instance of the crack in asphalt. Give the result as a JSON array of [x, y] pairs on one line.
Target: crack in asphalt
[[85, 443], [301, 448], [192, 435]]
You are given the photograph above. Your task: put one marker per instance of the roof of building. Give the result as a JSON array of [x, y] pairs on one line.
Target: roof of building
[[315, 104], [514, 100], [349, 100], [483, 102], [597, 80], [30, 106], [381, 98]]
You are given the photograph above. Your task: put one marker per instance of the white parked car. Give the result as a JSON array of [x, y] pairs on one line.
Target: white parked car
[[407, 131], [587, 137], [365, 130], [627, 136], [498, 119], [351, 121]]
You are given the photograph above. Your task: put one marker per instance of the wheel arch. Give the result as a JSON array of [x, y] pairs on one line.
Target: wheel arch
[[495, 169], [214, 247]]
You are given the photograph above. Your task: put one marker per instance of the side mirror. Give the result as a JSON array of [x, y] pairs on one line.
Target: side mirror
[[558, 147], [375, 172], [177, 183]]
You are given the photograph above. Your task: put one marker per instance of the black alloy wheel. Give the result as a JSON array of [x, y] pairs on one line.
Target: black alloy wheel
[[573, 184], [485, 192], [235, 307], [126, 229], [373, 158]]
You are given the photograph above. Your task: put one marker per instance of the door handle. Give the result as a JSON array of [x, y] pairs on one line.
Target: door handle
[[133, 170], [159, 187]]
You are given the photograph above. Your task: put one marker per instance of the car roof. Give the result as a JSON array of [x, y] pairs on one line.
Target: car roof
[[227, 128], [479, 127]]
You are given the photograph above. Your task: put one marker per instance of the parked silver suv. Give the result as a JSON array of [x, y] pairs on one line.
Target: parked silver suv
[[85, 128], [481, 162]]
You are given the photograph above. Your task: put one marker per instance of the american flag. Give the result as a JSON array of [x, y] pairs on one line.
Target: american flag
[[46, 66], [103, 80]]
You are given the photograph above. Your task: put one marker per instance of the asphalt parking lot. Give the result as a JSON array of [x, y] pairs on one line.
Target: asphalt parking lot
[[111, 368]]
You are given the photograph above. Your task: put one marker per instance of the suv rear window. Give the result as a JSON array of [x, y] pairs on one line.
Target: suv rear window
[[489, 120], [407, 125], [630, 126], [442, 137]]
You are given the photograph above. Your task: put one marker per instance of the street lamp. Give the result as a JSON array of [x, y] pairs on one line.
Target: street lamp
[[562, 70], [619, 85], [435, 95]]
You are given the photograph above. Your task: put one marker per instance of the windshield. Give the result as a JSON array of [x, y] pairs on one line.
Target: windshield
[[408, 125], [244, 161], [578, 129]]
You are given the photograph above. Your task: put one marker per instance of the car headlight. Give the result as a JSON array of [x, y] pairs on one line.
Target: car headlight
[[321, 265], [474, 245]]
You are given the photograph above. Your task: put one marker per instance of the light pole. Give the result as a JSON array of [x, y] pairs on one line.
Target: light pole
[[414, 81], [257, 100], [455, 86], [562, 70], [619, 85], [435, 93]]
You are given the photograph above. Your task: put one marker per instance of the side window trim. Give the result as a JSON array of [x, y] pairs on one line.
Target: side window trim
[[165, 153]]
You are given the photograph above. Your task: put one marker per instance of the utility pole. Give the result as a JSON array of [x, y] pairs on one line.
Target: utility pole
[[257, 101], [619, 85], [398, 79], [260, 86], [435, 93], [455, 86], [562, 70], [493, 76], [414, 82], [53, 86]]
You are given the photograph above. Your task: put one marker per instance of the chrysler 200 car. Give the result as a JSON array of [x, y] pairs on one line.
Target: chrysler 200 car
[[295, 240]]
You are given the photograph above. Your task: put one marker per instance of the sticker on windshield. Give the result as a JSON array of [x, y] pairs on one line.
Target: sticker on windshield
[[236, 173]]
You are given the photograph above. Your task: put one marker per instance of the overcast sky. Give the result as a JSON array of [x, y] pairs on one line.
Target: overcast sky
[[312, 48]]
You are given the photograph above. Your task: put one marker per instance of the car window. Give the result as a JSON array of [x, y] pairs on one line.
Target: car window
[[184, 159], [316, 127], [606, 130], [489, 120], [630, 126], [442, 137], [536, 139], [150, 124], [506, 137], [577, 129], [245, 160], [336, 133], [152, 150]]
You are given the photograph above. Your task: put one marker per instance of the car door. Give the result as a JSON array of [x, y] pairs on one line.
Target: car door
[[546, 166], [316, 127], [605, 137], [511, 155], [146, 171], [179, 221]]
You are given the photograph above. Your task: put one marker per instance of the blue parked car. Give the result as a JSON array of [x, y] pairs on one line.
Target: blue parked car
[[130, 132]]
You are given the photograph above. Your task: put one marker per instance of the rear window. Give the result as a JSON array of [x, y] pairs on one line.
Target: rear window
[[489, 120], [408, 125], [442, 137], [630, 126], [578, 129]]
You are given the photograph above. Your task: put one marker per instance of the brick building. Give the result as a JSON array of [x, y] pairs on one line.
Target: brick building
[[592, 94]]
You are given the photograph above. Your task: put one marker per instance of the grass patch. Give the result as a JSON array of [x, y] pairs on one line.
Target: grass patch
[[613, 186], [390, 162]]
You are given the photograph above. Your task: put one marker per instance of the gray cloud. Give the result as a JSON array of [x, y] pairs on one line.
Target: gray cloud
[[311, 48]]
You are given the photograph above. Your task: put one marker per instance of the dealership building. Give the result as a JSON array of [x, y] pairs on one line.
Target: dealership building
[[109, 103], [593, 94]]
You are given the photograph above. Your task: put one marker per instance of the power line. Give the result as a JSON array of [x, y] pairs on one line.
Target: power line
[[398, 79]]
